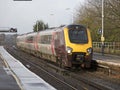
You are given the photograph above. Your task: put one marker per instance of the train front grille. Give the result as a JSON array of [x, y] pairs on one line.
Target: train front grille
[[78, 57]]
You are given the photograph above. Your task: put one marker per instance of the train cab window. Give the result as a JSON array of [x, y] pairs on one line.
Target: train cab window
[[78, 36]]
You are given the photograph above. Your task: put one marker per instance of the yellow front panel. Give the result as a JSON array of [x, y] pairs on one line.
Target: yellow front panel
[[77, 47]]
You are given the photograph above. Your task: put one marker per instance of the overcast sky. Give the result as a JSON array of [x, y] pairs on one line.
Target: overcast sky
[[23, 14]]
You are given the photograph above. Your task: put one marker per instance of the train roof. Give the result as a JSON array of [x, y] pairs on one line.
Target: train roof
[[56, 29]]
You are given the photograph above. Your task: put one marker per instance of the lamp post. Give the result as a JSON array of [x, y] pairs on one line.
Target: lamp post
[[53, 22], [71, 14], [37, 25], [102, 33]]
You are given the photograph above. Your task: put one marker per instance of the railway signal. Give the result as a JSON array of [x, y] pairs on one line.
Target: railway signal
[[11, 30]]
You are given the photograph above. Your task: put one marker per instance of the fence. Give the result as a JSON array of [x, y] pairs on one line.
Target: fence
[[109, 47]]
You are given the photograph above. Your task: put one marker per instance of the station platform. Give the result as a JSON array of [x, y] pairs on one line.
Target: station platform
[[15, 76], [107, 59]]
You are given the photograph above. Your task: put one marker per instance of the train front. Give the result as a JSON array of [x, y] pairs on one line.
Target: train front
[[78, 46]]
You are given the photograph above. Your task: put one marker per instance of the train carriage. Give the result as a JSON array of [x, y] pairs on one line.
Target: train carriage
[[30, 40], [20, 41]]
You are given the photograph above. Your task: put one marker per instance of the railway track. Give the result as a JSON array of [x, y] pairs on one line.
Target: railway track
[[59, 78]]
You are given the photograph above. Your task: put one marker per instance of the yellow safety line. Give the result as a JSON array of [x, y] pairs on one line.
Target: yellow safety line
[[13, 74]]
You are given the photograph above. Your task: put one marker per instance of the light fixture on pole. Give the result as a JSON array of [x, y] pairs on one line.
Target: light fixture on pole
[[102, 33]]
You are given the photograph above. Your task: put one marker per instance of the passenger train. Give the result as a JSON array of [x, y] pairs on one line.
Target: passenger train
[[67, 46]]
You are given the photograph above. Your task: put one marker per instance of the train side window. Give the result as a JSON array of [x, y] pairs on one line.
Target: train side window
[[49, 39], [30, 39], [46, 39]]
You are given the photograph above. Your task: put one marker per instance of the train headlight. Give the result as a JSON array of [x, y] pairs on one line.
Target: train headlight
[[89, 50], [69, 50]]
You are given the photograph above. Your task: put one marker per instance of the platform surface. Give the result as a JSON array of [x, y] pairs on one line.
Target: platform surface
[[107, 59], [7, 81], [23, 78]]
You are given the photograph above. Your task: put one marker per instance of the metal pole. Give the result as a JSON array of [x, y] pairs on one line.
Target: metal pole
[[43, 26], [37, 26], [52, 19], [102, 18], [72, 18], [102, 35], [71, 15]]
